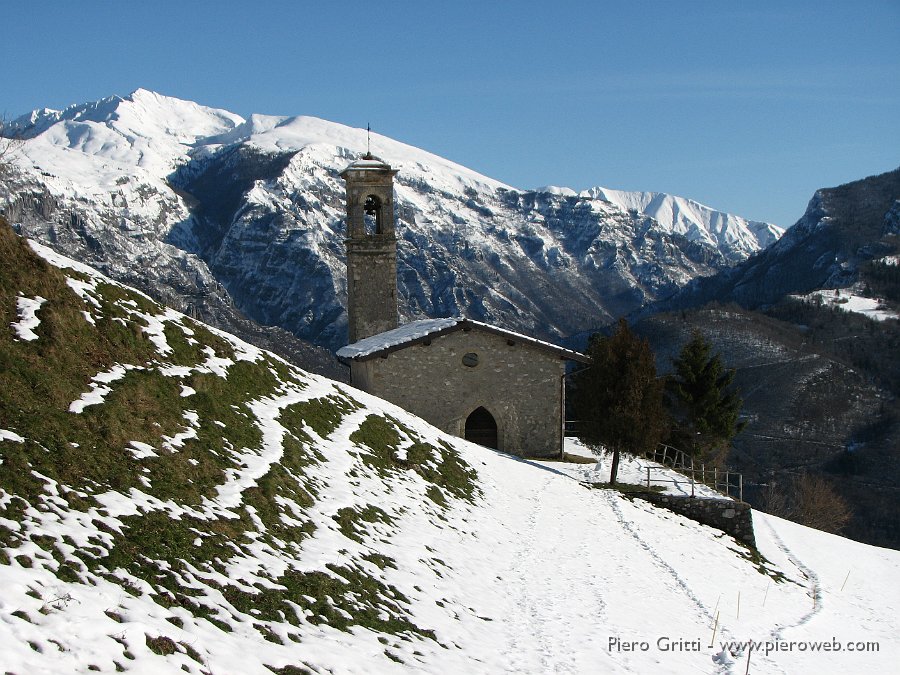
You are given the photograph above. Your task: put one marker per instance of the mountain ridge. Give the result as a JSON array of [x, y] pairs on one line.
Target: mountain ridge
[[144, 181], [693, 219], [842, 228]]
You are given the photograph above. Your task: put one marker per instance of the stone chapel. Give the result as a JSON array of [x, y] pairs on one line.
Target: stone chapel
[[474, 380]]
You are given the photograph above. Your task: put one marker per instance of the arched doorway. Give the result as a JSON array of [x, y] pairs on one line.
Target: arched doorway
[[481, 428]]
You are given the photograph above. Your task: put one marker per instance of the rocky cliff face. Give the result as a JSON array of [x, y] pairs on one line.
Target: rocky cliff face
[[212, 213], [843, 228]]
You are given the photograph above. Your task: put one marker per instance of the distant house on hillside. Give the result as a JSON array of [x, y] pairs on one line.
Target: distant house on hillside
[[484, 383]]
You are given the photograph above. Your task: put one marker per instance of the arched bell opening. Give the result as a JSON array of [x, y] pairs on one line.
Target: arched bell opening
[[372, 215], [481, 428]]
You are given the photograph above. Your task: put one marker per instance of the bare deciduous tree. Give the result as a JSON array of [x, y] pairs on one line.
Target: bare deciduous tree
[[809, 500], [819, 505], [775, 500]]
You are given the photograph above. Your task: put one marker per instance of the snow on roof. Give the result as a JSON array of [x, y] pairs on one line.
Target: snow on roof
[[368, 161], [405, 333], [417, 331]]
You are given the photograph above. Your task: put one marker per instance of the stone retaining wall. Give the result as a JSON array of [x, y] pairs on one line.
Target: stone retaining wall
[[734, 518]]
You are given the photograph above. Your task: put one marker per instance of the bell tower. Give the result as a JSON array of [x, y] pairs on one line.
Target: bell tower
[[371, 248]]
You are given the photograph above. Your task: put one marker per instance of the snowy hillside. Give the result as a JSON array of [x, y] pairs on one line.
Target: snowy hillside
[[203, 209], [175, 500], [851, 300]]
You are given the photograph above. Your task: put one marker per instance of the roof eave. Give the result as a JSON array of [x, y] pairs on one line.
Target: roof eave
[[466, 325]]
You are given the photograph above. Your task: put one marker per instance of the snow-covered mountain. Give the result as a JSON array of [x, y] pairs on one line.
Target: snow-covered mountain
[[737, 237], [175, 500], [203, 209], [844, 230]]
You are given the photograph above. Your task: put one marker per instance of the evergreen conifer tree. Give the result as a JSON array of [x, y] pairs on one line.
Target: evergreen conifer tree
[[703, 403], [619, 399]]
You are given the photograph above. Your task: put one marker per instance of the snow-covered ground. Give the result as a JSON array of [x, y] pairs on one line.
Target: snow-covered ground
[[28, 319], [541, 575], [586, 572], [633, 470], [850, 300]]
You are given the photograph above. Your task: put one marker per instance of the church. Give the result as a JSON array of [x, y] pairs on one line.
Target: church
[[489, 385]]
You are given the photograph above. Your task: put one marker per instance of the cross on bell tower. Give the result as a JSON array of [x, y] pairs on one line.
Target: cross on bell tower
[[371, 248]]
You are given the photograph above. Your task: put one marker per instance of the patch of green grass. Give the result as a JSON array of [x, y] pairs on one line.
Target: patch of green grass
[[189, 341], [348, 597], [115, 616], [67, 572], [268, 634], [762, 564], [124, 297], [158, 536], [382, 561], [279, 481], [379, 434], [322, 415], [440, 466], [454, 475], [348, 520], [290, 670], [162, 645], [39, 379], [90, 448], [192, 653], [21, 615], [59, 645], [435, 494], [155, 536]]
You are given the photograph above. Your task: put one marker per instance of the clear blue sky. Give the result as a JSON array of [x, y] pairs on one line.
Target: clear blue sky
[[746, 106]]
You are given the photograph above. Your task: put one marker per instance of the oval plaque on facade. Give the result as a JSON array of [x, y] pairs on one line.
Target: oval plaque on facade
[[470, 360]]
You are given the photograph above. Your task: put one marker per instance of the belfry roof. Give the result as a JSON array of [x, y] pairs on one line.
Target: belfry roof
[[368, 162]]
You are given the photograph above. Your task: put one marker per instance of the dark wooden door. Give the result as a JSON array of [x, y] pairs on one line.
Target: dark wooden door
[[481, 428]]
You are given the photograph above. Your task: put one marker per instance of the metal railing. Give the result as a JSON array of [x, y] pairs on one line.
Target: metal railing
[[730, 483], [727, 482]]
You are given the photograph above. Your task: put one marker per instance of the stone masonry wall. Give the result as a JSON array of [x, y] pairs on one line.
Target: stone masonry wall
[[371, 286], [518, 384], [734, 518]]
